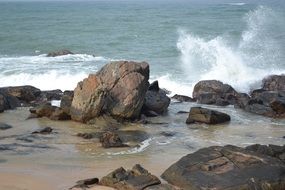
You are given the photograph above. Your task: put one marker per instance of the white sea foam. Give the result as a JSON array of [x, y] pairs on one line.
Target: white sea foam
[[46, 73], [140, 148], [256, 56]]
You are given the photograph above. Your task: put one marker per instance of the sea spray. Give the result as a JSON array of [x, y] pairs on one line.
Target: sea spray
[[243, 66]]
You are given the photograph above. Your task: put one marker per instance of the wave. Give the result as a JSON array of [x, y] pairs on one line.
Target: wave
[[46, 73], [242, 65], [53, 79], [237, 4]]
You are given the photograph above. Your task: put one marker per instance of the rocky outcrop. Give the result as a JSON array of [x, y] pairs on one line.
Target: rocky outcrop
[[156, 101], [49, 111], [136, 179], [227, 167], [183, 98], [44, 131], [215, 92], [118, 89], [59, 53], [49, 95], [274, 83], [203, 115], [22, 93], [66, 101], [269, 100]]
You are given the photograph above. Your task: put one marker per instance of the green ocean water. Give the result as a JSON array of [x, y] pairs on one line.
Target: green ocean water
[[184, 41]]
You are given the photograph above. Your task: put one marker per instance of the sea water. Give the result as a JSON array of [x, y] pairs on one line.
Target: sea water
[[237, 42]]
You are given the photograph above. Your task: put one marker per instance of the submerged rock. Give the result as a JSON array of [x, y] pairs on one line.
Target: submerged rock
[[227, 167], [111, 139], [136, 179], [4, 126], [117, 89], [44, 131], [203, 115], [45, 110], [59, 53]]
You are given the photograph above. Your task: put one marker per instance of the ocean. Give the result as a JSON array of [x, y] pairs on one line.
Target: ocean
[[237, 42]]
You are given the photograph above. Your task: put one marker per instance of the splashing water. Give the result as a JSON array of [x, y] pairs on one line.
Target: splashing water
[[257, 55]]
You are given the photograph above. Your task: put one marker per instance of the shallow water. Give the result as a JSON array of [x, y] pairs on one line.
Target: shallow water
[[61, 158]]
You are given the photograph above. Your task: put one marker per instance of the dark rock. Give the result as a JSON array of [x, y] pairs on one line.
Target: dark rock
[[4, 126], [270, 150], [154, 86], [183, 98], [85, 135], [59, 53], [45, 110], [278, 106], [136, 179], [44, 131], [203, 115], [215, 92], [182, 112], [274, 83], [228, 168], [51, 95], [242, 100], [86, 182], [168, 133], [150, 113], [7, 101], [22, 93], [60, 114], [162, 187], [110, 139], [118, 89], [156, 101], [66, 102]]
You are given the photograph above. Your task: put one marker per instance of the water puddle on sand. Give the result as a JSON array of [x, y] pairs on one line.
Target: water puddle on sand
[[58, 160]]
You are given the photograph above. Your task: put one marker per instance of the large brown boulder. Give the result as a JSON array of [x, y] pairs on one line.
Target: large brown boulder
[[117, 89], [203, 115], [274, 83], [214, 92], [229, 167]]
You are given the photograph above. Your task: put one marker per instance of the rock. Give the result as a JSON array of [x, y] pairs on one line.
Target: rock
[[59, 53], [51, 95], [117, 89], [154, 86], [59, 114], [182, 112], [242, 100], [203, 115], [7, 101], [278, 106], [85, 135], [183, 98], [87, 182], [22, 93], [270, 150], [136, 179], [274, 83], [227, 167], [162, 187], [156, 100], [44, 131], [110, 139], [4, 126], [150, 113], [45, 110], [214, 92], [66, 102], [168, 133]]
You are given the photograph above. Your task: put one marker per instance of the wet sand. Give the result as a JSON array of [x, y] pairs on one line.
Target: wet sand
[[58, 160]]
